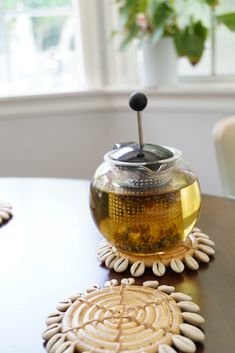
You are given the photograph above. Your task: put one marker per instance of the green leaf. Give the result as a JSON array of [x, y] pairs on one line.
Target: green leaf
[[133, 32], [143, 4], [200, 30], [159, 13], [190, 41], [128, 10], [157, 34], [212, 3], [228, 20]]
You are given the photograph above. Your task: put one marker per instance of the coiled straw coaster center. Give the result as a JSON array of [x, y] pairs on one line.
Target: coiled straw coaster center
[[129, 318], [126, 317]]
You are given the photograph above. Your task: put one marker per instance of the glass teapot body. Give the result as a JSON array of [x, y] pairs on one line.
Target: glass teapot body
[[144, 208]]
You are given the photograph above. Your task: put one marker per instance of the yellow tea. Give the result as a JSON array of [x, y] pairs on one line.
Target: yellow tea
[[149, 220]]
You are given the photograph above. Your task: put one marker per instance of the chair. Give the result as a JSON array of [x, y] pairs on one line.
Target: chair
[[224, 139]]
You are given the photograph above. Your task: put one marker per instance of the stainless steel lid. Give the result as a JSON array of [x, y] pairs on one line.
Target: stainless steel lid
[[148, 154], [153, 157], [132, 154]]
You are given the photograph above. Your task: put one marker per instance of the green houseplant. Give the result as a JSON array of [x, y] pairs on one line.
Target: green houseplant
[[156, 19]]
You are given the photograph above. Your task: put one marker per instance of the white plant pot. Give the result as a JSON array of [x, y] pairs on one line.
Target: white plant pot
[[157, 64]]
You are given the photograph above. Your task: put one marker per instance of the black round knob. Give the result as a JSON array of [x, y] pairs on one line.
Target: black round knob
[[138, 101]]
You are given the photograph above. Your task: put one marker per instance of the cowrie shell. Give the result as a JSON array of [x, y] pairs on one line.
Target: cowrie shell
[[205, 241], [158, 268], [201, 235], [192, 332], [121, 264], [201, 256], [63, 305], [75, 296], [206, 249], [128, 281], [104, 255], [166, 289], [111, 283], [177, 265], [54, 342], [103, 248], [110, 261], [138, 268], [94, 288], [191, 263], [54, 318], [151, 284], [196, 230], [164, 348], [181, 297], [5, 215], [189, 306], [66, 347], [51, 331], [184, 344], [193, 318]]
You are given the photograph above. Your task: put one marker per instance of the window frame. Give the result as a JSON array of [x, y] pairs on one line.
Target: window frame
[[104, 65], [6, 15]]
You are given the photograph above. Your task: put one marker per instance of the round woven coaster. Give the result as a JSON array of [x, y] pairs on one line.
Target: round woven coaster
[[198, 247], [125, 317], [5, 212]]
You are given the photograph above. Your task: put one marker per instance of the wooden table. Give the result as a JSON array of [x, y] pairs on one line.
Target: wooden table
[[48, 251]]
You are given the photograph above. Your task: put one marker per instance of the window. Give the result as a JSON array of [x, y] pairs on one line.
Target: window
[[218, 58], [40, 47], [199, 11], [64, 45], [225, 44]]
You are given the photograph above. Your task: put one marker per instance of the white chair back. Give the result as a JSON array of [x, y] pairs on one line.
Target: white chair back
[[224, 139]]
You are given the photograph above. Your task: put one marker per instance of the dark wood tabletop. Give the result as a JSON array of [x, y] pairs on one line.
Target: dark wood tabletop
[[48, 252]]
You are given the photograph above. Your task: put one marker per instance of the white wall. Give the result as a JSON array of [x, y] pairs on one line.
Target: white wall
[[69, 141], [68, 146]]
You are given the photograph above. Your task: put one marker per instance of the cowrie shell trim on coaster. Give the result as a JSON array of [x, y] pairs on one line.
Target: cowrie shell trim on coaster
[[196, 249], [123, 317]]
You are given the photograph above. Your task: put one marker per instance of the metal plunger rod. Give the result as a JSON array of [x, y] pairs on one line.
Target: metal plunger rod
[[138, 102], [140, 130]]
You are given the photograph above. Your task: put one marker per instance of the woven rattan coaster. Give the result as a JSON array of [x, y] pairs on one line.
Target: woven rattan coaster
[[125, 318], [5, 212], [198, 247]]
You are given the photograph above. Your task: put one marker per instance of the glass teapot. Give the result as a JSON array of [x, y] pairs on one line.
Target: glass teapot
[[144, 199]]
